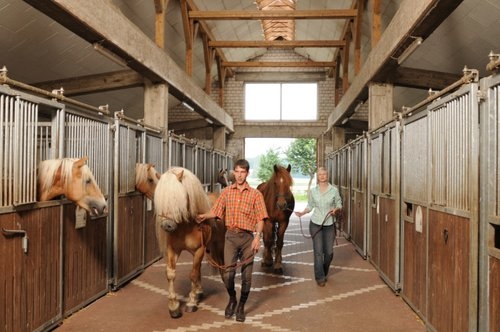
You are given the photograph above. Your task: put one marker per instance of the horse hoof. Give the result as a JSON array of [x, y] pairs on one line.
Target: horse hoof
[[266, 264], [199, 297], [175, 313], [278, 270], [191, 308]]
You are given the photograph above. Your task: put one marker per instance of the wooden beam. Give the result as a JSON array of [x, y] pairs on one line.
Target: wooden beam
[[299, 64], [273, 14], [76, 86], [90, 20], [422, 79], [414, 18], [276, 43], [160, 11]]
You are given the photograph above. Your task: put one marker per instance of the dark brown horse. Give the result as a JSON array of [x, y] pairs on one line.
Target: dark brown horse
[[280, 204], [179, 197]]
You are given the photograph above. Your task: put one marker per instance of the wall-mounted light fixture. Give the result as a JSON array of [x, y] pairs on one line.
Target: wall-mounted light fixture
[[410, 49], [189, 107], [110, 55]]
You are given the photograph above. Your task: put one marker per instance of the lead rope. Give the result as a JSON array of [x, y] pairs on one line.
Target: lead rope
[[216, 265], [322, 225]]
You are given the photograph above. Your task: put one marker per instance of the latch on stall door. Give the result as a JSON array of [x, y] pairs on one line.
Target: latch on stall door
[[17, 232]]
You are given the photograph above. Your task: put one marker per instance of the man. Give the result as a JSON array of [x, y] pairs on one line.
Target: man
[[244, 211]]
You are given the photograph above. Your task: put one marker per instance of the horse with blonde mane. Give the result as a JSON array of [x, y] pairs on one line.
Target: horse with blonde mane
[[146, 179], [179, 198], [72, 178]]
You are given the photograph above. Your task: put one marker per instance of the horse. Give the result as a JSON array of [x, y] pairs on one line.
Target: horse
[[279, 204], [146, 179], [225, 178], [72, 178], [179, 197]]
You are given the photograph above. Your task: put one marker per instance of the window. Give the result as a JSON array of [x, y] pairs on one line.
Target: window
[[281, 101]]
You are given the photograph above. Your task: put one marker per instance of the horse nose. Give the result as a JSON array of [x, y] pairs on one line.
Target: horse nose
[[98, 208], [168, 225]]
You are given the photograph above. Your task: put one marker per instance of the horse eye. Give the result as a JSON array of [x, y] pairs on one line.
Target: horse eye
[[88, 181]]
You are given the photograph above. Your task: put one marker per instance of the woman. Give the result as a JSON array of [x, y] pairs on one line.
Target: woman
[[325, 202]]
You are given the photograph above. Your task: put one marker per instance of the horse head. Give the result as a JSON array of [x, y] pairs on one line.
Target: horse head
[[222, 178], [146, 179], [179, 197], [73, 179], [282, 181]]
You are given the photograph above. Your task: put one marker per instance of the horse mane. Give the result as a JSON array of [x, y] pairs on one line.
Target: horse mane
[[180, 199], [142, 171], [47, 171]]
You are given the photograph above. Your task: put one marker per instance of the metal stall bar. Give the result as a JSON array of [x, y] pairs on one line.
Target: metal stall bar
[[489, 224]]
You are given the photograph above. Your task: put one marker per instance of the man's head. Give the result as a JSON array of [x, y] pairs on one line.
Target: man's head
[[241, 169]]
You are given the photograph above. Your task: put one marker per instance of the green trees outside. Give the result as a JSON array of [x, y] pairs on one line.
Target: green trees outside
[[301, 154]]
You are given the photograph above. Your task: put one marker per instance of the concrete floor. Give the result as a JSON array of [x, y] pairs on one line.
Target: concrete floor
[[354, 298]]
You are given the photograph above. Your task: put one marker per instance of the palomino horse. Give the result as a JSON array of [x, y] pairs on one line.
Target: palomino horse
[[280, 204], [178, 199], [146, 179], [73, 179]]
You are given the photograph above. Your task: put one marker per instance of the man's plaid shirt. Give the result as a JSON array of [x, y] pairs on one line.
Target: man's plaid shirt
[[240, 209]]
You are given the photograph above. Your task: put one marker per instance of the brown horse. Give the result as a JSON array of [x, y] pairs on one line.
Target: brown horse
[[280, 204], [178, 199], [72, 178], [225, 178], [146, 179]]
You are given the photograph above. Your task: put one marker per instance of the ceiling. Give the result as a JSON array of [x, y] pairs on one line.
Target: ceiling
[[36, 49]]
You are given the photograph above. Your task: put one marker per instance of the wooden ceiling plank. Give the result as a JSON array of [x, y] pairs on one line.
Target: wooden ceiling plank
[[299, 64], [76, 86], [273, 14], [276, 43]]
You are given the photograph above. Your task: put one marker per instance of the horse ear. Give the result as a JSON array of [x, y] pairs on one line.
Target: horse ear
[[82, 161], [275, 168], [289, 168], [180, 175]]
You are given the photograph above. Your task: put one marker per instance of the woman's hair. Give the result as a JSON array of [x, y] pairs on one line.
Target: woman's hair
[[322, 169]]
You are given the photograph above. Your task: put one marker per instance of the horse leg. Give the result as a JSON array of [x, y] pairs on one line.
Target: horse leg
[[267, 256], [173, 303], [196, 289], [278, 265]]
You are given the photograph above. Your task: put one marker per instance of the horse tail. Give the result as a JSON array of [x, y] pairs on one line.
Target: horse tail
[[215, 242]]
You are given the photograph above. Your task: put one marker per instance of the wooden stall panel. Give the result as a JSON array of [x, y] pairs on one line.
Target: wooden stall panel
[[30, 296], [130, 238], [449, 248], [415, 258], [85, 272], [494, 281], [152, 251], [388, 238], [358, 221]]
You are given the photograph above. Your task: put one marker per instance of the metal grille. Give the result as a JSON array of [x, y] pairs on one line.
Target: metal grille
[[127, 148], [154, 152], [18, 137], [451, 141], [415, 160], [84, 136]]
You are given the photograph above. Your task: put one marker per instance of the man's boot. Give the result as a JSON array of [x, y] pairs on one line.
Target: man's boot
[[240, 311], [231, 305]]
